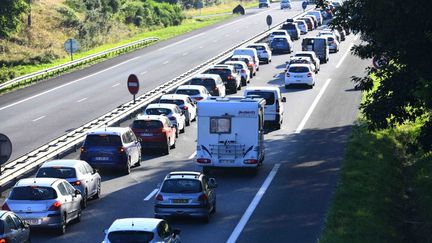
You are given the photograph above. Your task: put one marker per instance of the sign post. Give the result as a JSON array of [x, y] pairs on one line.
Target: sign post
[[5, 149], [269, 20], [71, 46], [133, 85], [304, 5]]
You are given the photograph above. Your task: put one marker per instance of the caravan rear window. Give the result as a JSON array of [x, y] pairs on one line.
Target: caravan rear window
[[220, 125]]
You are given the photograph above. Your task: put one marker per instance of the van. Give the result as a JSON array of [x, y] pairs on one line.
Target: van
[[319, 45], [274, 110], [250, 52], [317, 15], [213, 83]]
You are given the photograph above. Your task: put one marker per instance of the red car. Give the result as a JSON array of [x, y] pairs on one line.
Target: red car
[[155, 131]]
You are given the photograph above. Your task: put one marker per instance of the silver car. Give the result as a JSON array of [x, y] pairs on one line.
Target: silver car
[[45, 202], [13, 229], [77, 172], [186, 193]]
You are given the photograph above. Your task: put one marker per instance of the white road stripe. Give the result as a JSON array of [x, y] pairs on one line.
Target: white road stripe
[[66, 84], [37, 119], [248, 213], [225, 25], [178, 42], [192, 155], [151, 194], [142, 73], [81, 100], [184, 54], [166, 62], [200, 47], [115, 85], [344, 55], [312, 107]]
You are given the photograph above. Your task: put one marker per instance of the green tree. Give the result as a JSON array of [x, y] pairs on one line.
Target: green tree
[[401, 32], [11, 12]]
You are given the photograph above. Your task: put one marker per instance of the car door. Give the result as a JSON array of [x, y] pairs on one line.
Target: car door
[[23, 231], [209, 191], [67, 200], [75, 201], [192, 107], [136, 145], [88, 178]]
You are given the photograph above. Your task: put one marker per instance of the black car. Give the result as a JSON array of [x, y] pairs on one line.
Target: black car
[[12, 228], [228, 75], [292, 29]]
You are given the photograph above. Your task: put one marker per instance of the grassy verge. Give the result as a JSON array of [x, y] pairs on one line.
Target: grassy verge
[[220, 9]]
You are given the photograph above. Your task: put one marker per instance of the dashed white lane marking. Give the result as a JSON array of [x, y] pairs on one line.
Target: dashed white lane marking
[[200, 47], [178, 42], [66, 84], [312, 107], [81, 100], [166, 62], [248, 213], [37, 119], [184, 54], [344, 55], [151, 194], [142, 73], [115, 85], [192, 155]]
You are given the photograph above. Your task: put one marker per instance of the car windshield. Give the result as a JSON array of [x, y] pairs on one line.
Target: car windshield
[[268, 96], [298, 69], [150, 124], [259, 48], [222, 72], [103, 140], [240, 59], [158, 111], [32, 193], [181, 186], [130, 236], [289, 26], [56, 172], [188, 91], [172, 101], [207, 82]]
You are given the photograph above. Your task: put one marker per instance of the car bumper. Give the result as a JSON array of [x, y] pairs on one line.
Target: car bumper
[[45, 220], [308, 81], [180, 211], [145, 145]]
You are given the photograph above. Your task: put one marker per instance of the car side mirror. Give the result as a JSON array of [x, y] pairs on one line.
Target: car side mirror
[[77, 192], [26, 225], [159, 185], [212, 183], [105, 231], [284, 99], [176, 231]]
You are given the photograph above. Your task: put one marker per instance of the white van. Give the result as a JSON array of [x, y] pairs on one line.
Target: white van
[[274, 109], [250, 52]]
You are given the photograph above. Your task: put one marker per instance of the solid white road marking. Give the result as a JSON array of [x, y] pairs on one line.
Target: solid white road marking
[[166, 62], [200, 47], [81, 100], [184, 54], [178, 42], [312, 107], [151, 194], [37, 119], [344, 55], [248, 213], [115, 85], [66, 84], [192, 155]]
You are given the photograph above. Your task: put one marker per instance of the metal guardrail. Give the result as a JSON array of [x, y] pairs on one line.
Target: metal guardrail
[[32, 77], [20, 167]]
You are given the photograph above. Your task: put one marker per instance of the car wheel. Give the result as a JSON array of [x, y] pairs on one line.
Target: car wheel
[[183, 130], [98, 190], [84, 199], [166, 149], [214, 207], [187, 122], [127, 170], [78, 218], [206, 170], [174, 144], [61, 230], [177, 132], [277, 125], [206, 218]]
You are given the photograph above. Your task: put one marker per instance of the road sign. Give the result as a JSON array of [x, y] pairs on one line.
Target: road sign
[[379, 62], [5, 148], [269, 20], [133, 84], [71, 46], [304, 5]]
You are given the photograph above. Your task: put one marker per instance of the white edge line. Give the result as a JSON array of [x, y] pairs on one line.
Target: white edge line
[[151, 194], [192, 155], [344, 56], [117, 84], [178, 42], [248, 213], [166, 62], [37, 119], [64, 85], [81, 100], [312, 107]]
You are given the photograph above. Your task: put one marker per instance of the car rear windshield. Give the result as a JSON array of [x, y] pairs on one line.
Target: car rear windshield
[[175, 102], [158, 111], [181, 186], [188, 91], [303, 55], [258, 48], [280, 40], [143, 124], [206, 82], [298, 70], [32, 193], [103, 140], [289, 27], [56, 172], [268, 96], [1, 227], [130, 236], [222, 72]]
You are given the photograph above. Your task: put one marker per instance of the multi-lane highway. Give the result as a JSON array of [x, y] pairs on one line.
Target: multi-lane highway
[[285, 202]]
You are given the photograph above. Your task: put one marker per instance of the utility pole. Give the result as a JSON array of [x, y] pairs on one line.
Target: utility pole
[[29, 18]]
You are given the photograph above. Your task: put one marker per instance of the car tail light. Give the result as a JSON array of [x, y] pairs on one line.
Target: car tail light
[[203, 161], [159, 197], [243, 71], [250, 161], [3, 240], [6, 207], [198, 98], [309, 74], [83, 150], [185, 108], [76, 183], [172, 118], [55, 206], [265, 52], [121, 149], [250, 65], [230, 77], [287, 74], [203, 198]]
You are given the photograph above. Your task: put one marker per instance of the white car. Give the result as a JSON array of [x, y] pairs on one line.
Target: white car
[[302, 26], [249, 62], [196, 92], [264, 52], [332, 41], [184, 102], [171, 111], [141, 230], [331, 32], [312, 55], [242, 69], [299, 60], [277, 32], [299, 74], [285, 4]]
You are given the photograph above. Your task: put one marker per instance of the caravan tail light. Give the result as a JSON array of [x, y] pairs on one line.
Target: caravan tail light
[[203, 161], [250, 161], [309, 74]]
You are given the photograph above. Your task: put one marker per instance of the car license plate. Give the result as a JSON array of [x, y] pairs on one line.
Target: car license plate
[[101, 158], [226, 161], [180, 200], [33, 221], [146, 134], [298, 76]]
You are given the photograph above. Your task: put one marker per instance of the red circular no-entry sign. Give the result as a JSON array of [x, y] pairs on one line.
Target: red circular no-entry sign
[[133, 84]]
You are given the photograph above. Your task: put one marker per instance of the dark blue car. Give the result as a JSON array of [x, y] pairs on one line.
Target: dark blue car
[[281, 44]]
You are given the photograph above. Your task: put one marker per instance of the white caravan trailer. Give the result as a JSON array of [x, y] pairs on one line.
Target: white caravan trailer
[[230, 132]]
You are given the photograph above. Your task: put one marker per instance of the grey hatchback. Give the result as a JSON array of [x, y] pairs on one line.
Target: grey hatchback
[[186, 193], [45, 202], [13, 229]]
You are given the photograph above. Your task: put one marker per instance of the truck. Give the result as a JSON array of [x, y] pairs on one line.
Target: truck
[[230, 133]]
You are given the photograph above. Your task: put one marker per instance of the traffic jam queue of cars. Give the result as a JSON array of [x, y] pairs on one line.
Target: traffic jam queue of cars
[[230, 134]]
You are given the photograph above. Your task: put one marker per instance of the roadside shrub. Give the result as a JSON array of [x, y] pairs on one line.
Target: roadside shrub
[[6, 74], [69, 17]]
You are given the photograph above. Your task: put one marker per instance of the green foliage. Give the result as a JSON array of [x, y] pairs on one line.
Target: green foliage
[[69, 17], [402, 34], [10, 16]]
